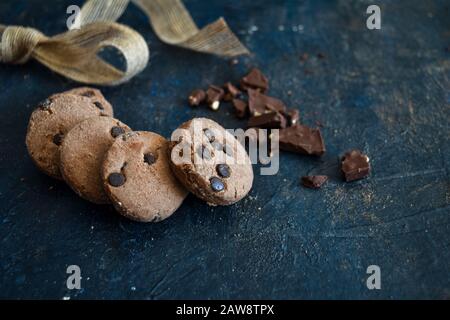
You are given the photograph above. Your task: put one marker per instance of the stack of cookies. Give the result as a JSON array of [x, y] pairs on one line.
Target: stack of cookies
[[73, 136]]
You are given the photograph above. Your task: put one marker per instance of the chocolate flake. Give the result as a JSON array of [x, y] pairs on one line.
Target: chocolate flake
[[355, 165], [197, 97], [292, 116], [314, 182], [231, 92], [216, 184], [259, 103], [272, 120], [255, 80], [214, 94], [116, 179], [240, 107], [301, 139]]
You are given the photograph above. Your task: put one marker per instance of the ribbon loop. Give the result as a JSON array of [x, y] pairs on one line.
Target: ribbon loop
[[18, 44]]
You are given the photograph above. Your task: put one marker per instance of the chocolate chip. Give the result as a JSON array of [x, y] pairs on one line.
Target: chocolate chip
[[58, 139], [88, 94], [196, 97], [259, 103], [223, 170], [314, 182], [217, 184], [204, 153], [44, 105], [228, 150], [209, 134], [99, 105], [355, 165], [213, 96], [117, 131], [149, 158], [116, 179], [301, 139], [292, 116], [231, 92]]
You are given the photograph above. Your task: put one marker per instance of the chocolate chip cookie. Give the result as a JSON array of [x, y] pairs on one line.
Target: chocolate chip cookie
[[138, 180], [210, 162], [82, 153], [96, 97], [48, 125]]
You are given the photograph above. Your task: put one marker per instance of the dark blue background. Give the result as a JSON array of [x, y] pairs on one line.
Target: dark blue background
[[385, 92]]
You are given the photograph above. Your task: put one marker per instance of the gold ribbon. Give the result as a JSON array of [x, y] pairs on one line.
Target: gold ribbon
[[73, 54]]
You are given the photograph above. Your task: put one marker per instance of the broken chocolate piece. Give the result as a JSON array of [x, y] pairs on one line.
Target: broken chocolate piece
[[197, 97], [314, 182], [213, 96], [355, 165], [255, 80], [292, 116], [259, 103], [240, 108], [231, 92], [301, 139], [272, 120]]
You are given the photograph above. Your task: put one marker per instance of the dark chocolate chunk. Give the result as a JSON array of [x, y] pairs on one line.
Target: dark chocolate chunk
[[301, 139], [272, 120], [216, 184], [355, 165], [223, 170], [149, 158], [240, 107], [58, 139], [314, 182], [44, 105], [197, 97], [255, 80], [231, 92], [209, 134], [213, 94], [259, 103], [117, 131], [116, 179], [292, 116], [99, 105]]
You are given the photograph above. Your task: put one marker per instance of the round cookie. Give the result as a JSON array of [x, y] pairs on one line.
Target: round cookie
[[48, 125], [82, 153], [210, 162], [138, 180], [96, 97]]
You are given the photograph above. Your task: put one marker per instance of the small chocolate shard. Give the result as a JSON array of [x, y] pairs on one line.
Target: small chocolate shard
[[196, 97], [240, 107], [302, 139], [231, 92], [355, 165], [256, 80], [272, 120], [259, 103], [314, 182], [213, 96], [292, 116]]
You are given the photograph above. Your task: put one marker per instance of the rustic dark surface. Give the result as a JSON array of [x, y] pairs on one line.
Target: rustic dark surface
[[385, 92]]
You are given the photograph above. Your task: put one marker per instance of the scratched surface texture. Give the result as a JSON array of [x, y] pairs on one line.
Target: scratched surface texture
[[385, 92]]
